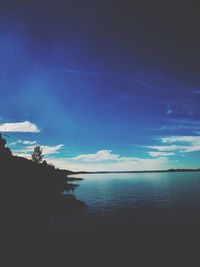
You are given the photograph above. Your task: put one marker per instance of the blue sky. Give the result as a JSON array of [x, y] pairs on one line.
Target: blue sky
[[99, 89]]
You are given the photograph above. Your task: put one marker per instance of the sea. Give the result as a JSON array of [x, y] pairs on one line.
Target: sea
[[137, 218], [125, 194]]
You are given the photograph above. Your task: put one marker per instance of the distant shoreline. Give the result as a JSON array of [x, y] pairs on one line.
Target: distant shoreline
[[148, 171]]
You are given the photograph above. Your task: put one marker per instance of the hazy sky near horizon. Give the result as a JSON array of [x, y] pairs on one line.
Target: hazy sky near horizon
[[101, 85]]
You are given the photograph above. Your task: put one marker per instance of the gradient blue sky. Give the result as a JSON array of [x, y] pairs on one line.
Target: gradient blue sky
[[101, 85]]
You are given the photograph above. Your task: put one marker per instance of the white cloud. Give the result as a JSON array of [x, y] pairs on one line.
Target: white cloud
[[25, 126], [107, 161], [23, 155], [183, 144], [177, 139], [192, 142], [46, 150], [23, 142], [99, 156], [99, 161], [26, 142], [191, 149], [160, 154], [165, 148]]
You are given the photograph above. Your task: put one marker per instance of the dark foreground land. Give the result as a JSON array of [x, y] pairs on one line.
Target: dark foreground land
[[135, 241], [40, 228], [146, 238]]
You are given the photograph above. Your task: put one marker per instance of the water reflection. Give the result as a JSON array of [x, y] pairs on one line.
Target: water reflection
[[105, 193], [69, 188]]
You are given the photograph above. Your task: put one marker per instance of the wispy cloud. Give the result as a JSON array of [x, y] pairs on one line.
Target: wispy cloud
[[164, 148], [195, 140], [182, 144], [46, 150], [26, 142], [160, 154], [192, 143], [180, 124], [185, 121], [23, 142], [25, 126], [169, 110], [113, 76], [84, 72]]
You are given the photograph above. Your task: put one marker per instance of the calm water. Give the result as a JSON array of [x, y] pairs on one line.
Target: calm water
[[123, 193], [144, 212], [147, 214]]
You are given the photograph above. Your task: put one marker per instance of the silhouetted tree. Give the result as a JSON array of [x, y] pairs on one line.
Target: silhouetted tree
[[37, 155], [45, 163], [5, 152]]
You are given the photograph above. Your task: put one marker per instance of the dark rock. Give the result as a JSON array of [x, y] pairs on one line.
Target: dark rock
[[74, 179]]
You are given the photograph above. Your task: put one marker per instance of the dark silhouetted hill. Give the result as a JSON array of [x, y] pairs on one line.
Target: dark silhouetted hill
[[31, 194]]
